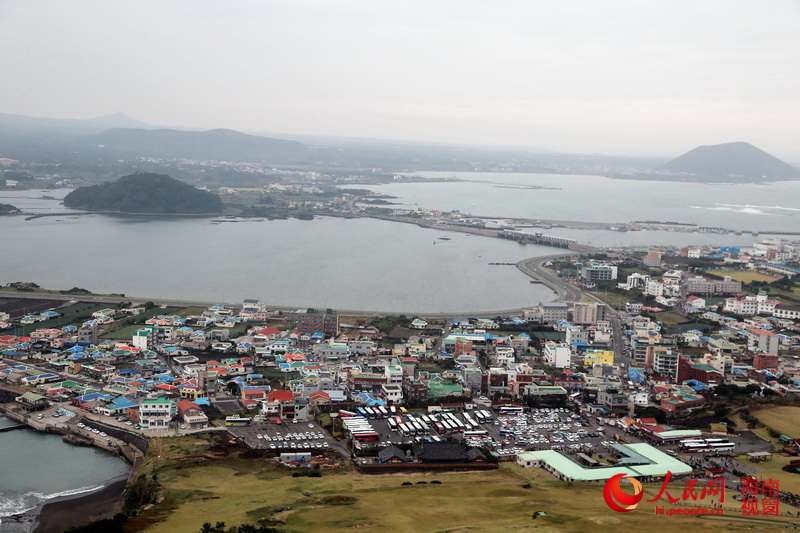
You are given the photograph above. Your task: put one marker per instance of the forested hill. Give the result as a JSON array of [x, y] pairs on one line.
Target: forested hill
[[144, 193], [8, 209]]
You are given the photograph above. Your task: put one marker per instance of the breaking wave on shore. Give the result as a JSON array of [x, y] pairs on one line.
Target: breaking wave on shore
[[14, 505]]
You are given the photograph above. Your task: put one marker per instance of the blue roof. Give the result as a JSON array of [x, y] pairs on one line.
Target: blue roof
[[91, 396], [121, 402], [698, 386]]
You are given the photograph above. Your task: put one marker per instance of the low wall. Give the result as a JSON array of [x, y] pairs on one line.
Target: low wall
[[138, 441]]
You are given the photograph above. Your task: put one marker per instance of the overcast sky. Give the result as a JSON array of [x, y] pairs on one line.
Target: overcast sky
[[613, 76]]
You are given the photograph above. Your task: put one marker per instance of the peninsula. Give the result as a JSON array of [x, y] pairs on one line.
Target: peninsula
[[145, 194]]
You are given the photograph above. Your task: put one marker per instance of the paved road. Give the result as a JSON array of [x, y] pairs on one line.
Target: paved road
[[567, 292], [534, 267]]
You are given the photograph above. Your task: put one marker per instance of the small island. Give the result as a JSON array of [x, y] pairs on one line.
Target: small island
[[145, 193], [8, 209]]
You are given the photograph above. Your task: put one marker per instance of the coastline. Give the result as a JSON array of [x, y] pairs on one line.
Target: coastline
[[74, 507], [78, 510]]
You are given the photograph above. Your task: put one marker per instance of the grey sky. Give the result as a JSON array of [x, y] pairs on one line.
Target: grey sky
[[636, 77]]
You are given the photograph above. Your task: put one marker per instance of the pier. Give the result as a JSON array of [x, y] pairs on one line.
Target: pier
[[13, 428]]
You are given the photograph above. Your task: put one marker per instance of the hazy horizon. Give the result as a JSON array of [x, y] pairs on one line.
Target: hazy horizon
[[623, 78]]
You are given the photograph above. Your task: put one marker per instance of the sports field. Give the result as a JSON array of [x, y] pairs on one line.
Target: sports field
[[745, 276]]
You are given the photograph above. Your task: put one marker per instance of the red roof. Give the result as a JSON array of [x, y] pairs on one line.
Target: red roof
[[186, 405], [280, 395], [319, 395], [269, 331]]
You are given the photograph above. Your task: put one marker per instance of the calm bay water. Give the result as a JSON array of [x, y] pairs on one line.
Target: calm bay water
[[762, 207], [328, 262], [36, 467]]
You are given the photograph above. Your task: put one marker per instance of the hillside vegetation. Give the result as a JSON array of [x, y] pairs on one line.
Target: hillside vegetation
[[144, 193]]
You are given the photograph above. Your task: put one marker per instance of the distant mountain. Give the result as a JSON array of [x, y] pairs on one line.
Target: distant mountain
[[211, 144], [23, 123], [736, 161], [144, 193]]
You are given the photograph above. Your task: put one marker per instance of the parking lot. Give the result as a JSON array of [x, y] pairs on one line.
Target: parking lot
[[543, 429], [505, 434], [290, 436]]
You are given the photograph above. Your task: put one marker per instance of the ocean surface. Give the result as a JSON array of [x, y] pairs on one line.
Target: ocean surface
[[356, 264], [761, 207], [37, 467], [364, 264]]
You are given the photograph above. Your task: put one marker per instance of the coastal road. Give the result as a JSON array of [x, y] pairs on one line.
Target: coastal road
[[117, 299], [567, 292], [534, 267]]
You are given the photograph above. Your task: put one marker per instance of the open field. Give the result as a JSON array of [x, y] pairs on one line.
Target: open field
[[614, 299], [254, 491], [670, 318], [772, 469], [745, 276], [783, 418]]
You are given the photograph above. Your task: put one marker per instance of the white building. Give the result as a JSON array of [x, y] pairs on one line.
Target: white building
[[156, 413], [393, 393], [742, 306], [789, 312], [635, 281], [557, 354], [665, 363], [503, 356], [654, 288]]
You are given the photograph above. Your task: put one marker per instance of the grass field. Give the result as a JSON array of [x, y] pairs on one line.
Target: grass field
[[783, 418], [772, 469], [614, 299], [670, 318], [745, 276], [251, 491]]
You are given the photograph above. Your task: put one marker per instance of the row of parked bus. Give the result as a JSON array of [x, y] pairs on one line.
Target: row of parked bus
[[380, 411], [707, 445]]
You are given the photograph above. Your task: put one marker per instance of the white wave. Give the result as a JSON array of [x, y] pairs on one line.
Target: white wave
[[15, 505], [71, 492], [767, 207], [12, 506], [734, 208]]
